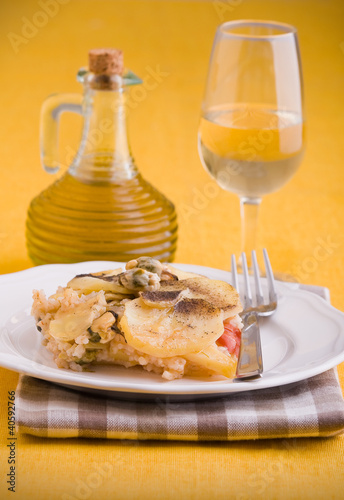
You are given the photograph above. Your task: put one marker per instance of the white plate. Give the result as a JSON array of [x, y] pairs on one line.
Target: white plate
[[303, 338]]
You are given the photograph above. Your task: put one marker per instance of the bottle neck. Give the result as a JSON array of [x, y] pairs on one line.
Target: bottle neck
[[104, 153]]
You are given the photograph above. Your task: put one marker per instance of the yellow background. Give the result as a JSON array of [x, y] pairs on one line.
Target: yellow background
[[302, 225]]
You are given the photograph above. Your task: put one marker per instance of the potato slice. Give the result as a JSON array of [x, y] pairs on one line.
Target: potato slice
[[182, 275], [162, 298], [218, 293], [213, 359], [67, 325], [94, 282], [189, 326], [108, 273]]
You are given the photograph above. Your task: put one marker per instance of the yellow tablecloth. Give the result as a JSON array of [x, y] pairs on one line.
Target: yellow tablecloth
[[43, 43]]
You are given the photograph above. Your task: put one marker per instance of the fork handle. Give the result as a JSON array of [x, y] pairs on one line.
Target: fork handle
[[250, 362]]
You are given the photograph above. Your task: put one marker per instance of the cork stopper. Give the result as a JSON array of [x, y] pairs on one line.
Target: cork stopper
[[106, 61]]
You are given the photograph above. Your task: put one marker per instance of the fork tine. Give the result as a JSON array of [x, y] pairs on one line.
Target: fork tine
[[247, 292], [258, 286], [234, 273], [270, 277]]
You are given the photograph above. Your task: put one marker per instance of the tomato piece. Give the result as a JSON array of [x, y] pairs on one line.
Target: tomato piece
[[230, 339]]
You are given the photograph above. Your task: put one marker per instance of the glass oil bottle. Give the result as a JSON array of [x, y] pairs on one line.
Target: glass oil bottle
[[101, 208]]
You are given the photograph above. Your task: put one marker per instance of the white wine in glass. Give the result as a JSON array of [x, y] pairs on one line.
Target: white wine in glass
[[251, 136]]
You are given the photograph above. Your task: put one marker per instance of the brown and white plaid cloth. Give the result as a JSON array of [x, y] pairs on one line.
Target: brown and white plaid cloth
[[312, 407]]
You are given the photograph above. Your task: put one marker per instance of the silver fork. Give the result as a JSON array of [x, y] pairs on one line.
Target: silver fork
[[250, 362]]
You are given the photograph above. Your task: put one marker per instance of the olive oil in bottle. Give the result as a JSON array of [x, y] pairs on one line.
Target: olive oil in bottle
[[101, 208]]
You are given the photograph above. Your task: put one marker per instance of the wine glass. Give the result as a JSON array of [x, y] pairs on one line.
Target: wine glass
[[251, 135]]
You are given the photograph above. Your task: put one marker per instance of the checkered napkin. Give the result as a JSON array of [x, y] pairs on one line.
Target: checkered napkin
[[312, 407]]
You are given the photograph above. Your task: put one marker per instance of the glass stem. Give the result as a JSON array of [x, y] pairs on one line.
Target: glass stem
[[249, 208]]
